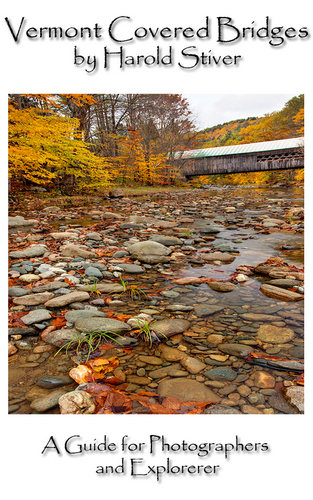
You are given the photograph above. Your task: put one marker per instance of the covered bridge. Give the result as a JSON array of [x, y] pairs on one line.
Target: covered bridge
[[270, 155]]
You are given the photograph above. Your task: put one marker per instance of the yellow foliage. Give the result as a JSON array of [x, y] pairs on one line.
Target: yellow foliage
[[44, 146], [136, 165]]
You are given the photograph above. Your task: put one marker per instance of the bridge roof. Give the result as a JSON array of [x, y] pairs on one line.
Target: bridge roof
[[256, 147]]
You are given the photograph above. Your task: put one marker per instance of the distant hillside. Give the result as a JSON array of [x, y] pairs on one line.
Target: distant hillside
[[284, 124]]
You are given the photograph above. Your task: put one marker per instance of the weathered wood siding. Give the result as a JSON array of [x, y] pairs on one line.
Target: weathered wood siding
[[248, 162]]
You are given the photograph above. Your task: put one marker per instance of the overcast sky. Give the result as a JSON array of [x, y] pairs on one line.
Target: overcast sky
[[216, 109]]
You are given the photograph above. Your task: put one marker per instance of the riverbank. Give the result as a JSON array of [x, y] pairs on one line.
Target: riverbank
[[186, 264]]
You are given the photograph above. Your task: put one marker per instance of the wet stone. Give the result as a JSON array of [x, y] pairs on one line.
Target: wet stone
[[221, 410], [168, 327], [222, 287], [264, 380], [187, 390], [221, 373], [202, 310], [274, 334], [47, 402], [151, 360], [96, 324], [51, 382], [295, 397], [278, 402]]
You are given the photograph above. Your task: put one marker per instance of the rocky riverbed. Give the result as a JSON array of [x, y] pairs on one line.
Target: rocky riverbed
[[186, 302]]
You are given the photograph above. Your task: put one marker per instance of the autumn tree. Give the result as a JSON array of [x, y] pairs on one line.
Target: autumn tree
[[47, 147]]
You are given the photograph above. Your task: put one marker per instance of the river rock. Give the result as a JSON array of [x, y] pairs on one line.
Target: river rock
[[93, 236], [209, 230], [151, 360], [220, 286], [171, 354], [89, 325], [47, 402], [203, 310], [141, 219], [264, 269], [259, 317], [68, 298], [166, 240], [11, 349], [167, 327], [18, 220], [33, 299], [49, 287], [36, 316], [148, 248], [238, 350], [64, 236], [132, 268], [284, 283], [221, 373], [77, 403], [52, 208], [295, 397], [93, 271], [116, 193], [272, 222], [275, 334], [188, 280], [193, 365], [32, 251], [140, 320], [62, 336], [164, 223], [17, 291], [289, 365], [219, 409], [263, 380], [169, 293], [179, 307], [136, 379], [278, 402], [225, 258], [105, 288], [173, 370], [51, 382], [280, 293], [29, 278], [73, 316], [78, 251], [186, 389]]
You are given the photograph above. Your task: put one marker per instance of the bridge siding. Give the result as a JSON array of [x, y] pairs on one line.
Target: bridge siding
[[238, 163]]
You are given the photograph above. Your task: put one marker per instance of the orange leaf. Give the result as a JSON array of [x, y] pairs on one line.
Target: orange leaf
[[101, 366], [300, 379], [172, 403], [66, 280], [58, 322]]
